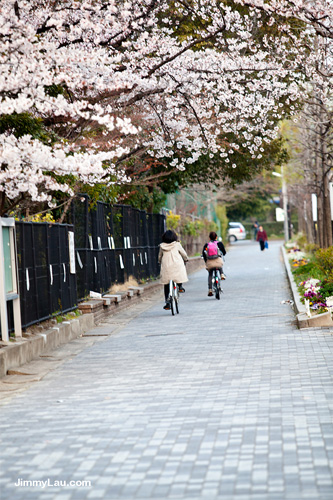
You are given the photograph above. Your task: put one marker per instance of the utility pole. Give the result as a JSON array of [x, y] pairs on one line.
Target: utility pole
[[284, 204], [285, 207]]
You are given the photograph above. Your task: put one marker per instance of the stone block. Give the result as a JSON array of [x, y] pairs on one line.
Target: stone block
[[86, 322], [302, 320], [324, 319], [113, 298], [137, 289], [91, 306]]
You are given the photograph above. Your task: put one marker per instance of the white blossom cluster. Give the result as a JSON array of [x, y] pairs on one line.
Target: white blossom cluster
[[30, 162], [121, 66]]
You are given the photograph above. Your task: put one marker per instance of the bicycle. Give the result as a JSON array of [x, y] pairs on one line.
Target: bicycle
[[216, 283], [173, 297]]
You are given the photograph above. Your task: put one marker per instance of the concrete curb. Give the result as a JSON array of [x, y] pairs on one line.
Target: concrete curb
[[25, 349], [303, 320]]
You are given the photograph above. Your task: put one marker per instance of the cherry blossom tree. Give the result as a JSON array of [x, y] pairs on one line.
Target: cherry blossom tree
[[152, 78]]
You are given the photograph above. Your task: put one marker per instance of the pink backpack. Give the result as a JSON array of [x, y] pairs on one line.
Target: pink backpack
[[213, 251]]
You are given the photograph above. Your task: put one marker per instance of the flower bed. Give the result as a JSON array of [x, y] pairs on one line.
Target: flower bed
[[314, 277], [312, 295]]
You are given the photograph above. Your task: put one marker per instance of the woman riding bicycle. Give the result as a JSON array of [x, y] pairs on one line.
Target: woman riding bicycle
[[211, 253], [172, 257]]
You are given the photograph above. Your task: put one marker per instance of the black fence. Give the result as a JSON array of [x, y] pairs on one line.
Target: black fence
[[112, 243], [46, 283]]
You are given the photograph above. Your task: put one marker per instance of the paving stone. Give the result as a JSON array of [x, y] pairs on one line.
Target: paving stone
[[225, 401]]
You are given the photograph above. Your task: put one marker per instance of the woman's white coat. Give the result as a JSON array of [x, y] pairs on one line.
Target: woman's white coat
[[171, 257]]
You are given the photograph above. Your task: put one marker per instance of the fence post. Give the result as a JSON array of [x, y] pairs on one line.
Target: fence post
[[48, 263], [9, 290]]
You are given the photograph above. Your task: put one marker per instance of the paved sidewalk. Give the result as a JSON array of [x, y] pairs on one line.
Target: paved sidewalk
[[226, 401]]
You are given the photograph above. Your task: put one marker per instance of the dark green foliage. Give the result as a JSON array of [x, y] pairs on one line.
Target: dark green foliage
[[324, 259], [306, 270], [143, 197], [22, 124], [54, 90], [101, 192], [254, 204], [326, 289], [309, 270]]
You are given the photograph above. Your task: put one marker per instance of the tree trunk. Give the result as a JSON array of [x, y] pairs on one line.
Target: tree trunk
[[150, 208], [2, 203], [67, 206], [309, 221], [327, 223]]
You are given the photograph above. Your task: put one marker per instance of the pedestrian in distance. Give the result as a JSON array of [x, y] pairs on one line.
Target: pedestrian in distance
[[212, 254], [172, 258], [262, 238]]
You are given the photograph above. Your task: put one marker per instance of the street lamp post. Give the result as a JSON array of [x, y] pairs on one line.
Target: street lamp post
[[285, 207], [284, 204]]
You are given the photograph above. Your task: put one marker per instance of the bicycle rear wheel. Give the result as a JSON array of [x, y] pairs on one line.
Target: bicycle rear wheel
[[217, 285], [172, 298], [176, 298], [173, 306]]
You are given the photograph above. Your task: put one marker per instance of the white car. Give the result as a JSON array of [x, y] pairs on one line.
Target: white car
[[236, 231]]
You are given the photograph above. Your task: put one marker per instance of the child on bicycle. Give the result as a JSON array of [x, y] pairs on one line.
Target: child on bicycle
[[172, 258], [211, 253]]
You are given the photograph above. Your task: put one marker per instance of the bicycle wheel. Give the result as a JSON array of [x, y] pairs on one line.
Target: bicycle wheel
[[176, 298], [217, 285], [213, 283], [172, 298], [173, 306]]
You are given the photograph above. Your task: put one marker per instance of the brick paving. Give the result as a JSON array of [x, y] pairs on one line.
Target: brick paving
[[226, 401]]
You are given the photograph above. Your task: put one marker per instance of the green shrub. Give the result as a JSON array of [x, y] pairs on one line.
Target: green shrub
[[308, 269], [324, 261], [320, 266], [275, 236], [301, 240], [221, 213], [192, 227], [326, 289], [172, 221], [311, 248]]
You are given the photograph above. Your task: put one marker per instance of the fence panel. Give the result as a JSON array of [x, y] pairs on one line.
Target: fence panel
[[121, 241], [46, 284]]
